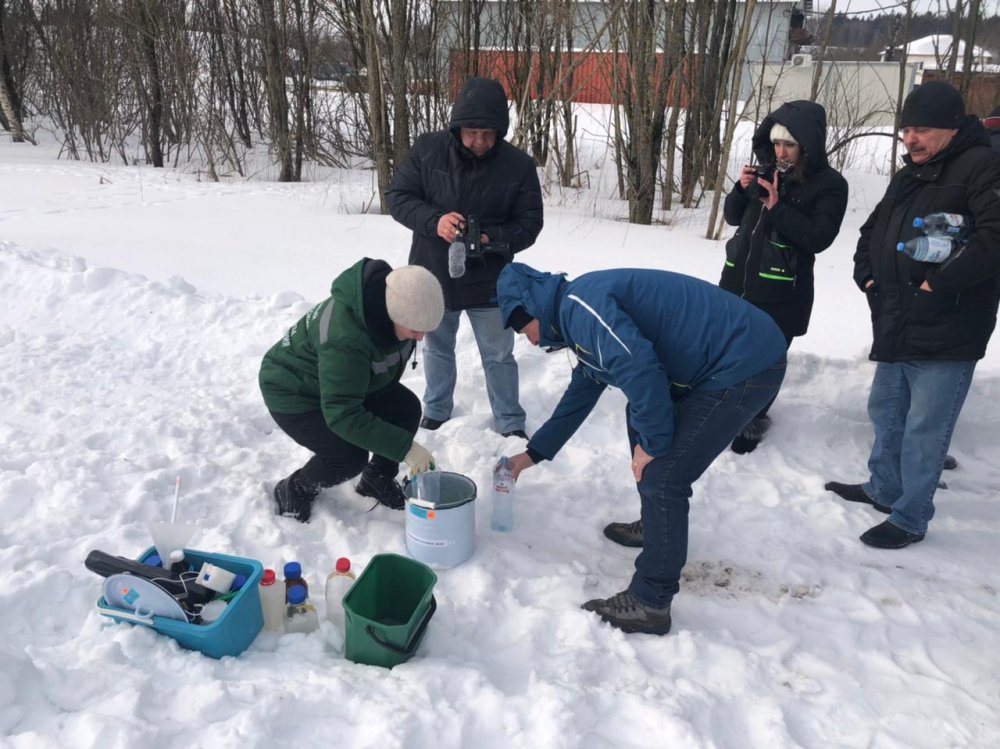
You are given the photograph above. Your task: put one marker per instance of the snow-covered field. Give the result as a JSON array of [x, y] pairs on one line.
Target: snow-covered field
[[136, 307]]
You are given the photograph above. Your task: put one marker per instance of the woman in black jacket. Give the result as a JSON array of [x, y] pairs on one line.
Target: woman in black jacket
[[788, 208]]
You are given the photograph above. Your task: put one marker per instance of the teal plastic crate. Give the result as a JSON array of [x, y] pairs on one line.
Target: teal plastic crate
[[232, 632]]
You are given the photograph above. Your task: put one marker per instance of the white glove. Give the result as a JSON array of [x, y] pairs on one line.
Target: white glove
[[419, 459]]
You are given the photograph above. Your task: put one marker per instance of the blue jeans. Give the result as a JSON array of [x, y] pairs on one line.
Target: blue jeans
[[496, 349], [913, 407], [705, 423]]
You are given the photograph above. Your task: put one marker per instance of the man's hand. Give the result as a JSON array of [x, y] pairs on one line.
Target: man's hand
[[518, 463], [640, 459], [419, 459], [450, 225], [747, 176]]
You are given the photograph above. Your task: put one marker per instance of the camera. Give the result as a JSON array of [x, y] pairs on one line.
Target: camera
[[766, 172], [467, 248]]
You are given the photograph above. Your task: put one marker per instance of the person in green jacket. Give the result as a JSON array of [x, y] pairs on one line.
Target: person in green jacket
[[332, 384]]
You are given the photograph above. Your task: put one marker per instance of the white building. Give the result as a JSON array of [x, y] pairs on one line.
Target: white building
[[935, 51]]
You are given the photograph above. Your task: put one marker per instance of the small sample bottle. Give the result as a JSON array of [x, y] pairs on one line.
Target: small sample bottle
[[293, 576], [338, 583], [300, 616], [502, 517], [272, 602], [928, 249]]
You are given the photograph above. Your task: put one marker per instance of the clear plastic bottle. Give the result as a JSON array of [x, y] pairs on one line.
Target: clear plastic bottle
[[502, 517], [272, 601], [338, 583], [928, 249], [943, 224], [300, 616], [293, 577]]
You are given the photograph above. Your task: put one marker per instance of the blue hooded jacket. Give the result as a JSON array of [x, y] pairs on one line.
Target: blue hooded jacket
[[654, 334]]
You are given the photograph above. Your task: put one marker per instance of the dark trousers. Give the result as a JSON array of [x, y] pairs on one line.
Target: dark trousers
[[763, 412], [705, 422], [336, 460]]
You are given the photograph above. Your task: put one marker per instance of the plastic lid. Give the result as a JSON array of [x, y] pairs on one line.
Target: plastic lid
[[269, 578], [918, 222], [900, 247], [293, 570], [296, 595], [238, 582], [177, 555], [343, 565]]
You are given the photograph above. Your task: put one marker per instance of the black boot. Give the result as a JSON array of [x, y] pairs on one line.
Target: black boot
[[747, 440], [626, 534], [950, 464], [855, 493], [381, 487], [293, 497], [624, 611], [428, 423], [885, 535]]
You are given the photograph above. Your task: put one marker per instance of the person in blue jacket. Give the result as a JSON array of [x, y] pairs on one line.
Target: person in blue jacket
[[696, 363]]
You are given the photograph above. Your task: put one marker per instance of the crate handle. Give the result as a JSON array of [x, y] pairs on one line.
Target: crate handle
[[407, 651]]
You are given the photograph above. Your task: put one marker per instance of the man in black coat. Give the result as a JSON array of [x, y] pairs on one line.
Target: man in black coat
[[449, 177], [784, 220], [930, 321]]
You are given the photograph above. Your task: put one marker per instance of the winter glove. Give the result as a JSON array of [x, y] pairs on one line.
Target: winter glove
[[419, 459]]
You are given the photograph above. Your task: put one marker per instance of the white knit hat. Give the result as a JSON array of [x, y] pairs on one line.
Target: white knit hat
[[413, 298], [780, 132]]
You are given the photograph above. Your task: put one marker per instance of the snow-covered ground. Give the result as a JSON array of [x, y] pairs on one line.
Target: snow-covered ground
[[136, 307]]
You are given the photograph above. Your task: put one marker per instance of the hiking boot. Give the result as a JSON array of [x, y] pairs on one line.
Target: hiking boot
[[855, 493], [950, 464], [294, 499], [428, 423], [885, 535], [516, 433], [626, 534], [381, 487], [747, 440], [624, 611]]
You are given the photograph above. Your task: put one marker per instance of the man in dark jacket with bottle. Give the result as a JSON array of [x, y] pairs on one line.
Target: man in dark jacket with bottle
[[695, 364], [332, 384], [785, 219], [930, 322], [470, 171]]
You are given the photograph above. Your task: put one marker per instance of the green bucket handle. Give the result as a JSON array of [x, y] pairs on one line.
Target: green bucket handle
[[414, 641]]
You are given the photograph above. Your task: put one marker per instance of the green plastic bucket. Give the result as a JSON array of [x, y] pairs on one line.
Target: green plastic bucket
[[387, 610]]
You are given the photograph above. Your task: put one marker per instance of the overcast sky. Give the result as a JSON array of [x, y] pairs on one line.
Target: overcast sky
[[990, 7]]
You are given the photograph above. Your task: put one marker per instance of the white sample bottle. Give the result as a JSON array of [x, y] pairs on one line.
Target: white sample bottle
[[338, 583], [272, 601]]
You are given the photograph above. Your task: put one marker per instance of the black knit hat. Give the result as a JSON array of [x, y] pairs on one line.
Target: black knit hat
[[518, 318], [933, 104]]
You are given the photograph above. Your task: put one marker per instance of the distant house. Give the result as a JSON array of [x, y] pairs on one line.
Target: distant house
[[935, 51]]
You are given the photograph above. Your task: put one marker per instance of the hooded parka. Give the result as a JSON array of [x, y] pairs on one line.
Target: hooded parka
[[343, 350], [656, 335], [770, 258], [953, 321], [501, 189]]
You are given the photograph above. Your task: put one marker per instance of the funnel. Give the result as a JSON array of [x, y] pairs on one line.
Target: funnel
[[170, 536]]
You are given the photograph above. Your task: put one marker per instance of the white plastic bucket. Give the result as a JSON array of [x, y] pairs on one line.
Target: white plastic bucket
[[441, 518]]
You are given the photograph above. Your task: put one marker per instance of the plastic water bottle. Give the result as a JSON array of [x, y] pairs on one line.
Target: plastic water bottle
[[272, 601], [502, 518], [456, 258], [338, 583], [928, 249], [300, 616], [943, 224]]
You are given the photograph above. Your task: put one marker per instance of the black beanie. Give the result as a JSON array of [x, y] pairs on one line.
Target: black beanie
[[933, 104], [518, 318]]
